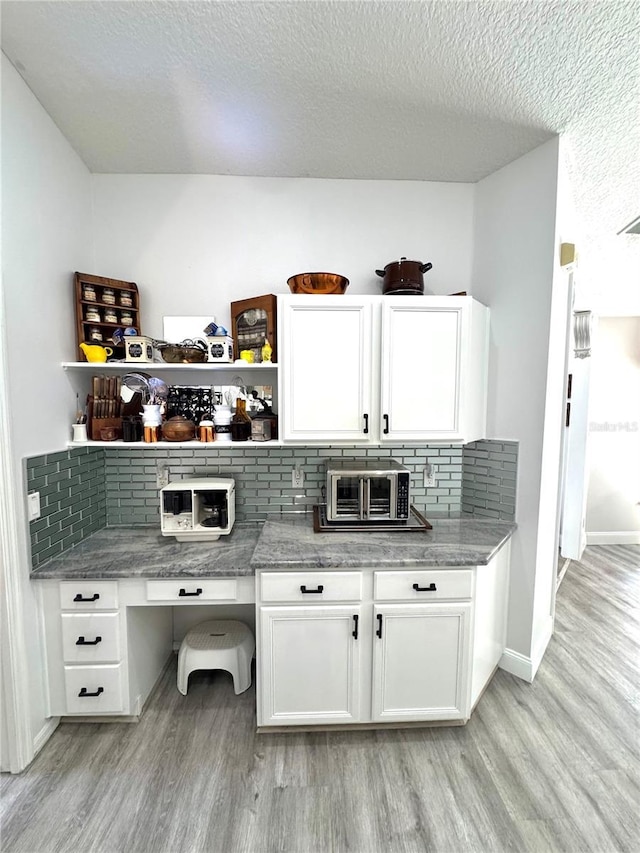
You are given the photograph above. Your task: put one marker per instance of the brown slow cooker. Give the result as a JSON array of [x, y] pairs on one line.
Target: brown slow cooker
[[404, 276]]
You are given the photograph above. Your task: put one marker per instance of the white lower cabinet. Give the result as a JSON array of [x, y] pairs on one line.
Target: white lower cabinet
[[425, 654], [107, 642], [310, 665], [421, 662]]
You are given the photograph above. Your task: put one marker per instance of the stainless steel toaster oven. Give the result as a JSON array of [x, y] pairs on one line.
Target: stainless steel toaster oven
[[367, 490]]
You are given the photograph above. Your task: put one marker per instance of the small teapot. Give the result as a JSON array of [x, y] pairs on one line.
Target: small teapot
[[95, 352]]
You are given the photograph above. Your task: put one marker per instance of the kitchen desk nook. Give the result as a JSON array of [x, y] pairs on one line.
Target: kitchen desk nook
[[352, 629]]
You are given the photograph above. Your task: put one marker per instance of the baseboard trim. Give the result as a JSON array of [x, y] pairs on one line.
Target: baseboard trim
[[614, 537], [516, 664], [45, 733], [526, 667]]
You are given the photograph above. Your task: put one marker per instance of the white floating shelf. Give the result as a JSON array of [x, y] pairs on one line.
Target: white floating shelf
[[136, 367], [173, 445]]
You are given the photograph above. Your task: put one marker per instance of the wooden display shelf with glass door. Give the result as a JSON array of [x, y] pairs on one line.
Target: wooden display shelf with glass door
[[122, 298]]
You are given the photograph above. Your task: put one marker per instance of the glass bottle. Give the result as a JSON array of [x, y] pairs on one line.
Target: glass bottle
[[240, 422]]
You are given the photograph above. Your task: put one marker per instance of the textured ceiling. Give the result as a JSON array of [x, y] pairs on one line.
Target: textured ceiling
[[395, 90]]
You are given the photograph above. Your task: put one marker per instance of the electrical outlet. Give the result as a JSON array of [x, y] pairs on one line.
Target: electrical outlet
[[33, 504], [297, 478], [162, 475], [429, 476]]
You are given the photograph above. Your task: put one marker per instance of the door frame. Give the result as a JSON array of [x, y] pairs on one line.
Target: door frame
[[18, 748]]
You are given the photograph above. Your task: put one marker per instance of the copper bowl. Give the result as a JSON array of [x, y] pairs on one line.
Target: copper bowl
[[317, 282], [178, 428]]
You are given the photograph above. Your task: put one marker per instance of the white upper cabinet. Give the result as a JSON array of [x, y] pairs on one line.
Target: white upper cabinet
[[326, 372], [376, 369]]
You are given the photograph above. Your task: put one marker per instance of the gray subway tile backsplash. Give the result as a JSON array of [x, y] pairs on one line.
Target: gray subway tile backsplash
[[489, 471], [72, 499], [96, 487]]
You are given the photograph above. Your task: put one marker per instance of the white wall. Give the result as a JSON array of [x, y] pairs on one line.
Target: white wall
[[613, 501], [515, 272], [193, 244], [46, 235]]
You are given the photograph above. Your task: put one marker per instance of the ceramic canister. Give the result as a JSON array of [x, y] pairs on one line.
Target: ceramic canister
[[222, 421]]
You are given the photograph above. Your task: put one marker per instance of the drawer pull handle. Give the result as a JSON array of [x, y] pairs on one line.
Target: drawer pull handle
[[354, 633], [320, 588], [84, 692], [366, 424], [94, 597], [183, 593], [379, 631], [82, 642], [431, 588], [386, 424]]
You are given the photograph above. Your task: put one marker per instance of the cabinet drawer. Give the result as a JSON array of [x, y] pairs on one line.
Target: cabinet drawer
[[319, 586], [93, 689], [90, 637], [88, 595], [424, 585], [193, 590]]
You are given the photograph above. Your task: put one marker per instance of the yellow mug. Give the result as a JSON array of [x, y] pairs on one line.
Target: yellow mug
[[95, 352], [248, 356]]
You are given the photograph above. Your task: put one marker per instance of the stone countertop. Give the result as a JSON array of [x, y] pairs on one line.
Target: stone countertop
[[464, 541], [142, 552], [282, 543]]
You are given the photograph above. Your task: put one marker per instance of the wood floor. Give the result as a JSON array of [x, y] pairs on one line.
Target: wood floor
[[544, 767]]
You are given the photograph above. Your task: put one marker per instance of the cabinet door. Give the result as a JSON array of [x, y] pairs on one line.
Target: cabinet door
[[309, 660], [421, 369], [326, 369], [421, 665]]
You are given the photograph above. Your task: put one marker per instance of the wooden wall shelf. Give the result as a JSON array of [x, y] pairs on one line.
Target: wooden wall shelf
[[126, 300]]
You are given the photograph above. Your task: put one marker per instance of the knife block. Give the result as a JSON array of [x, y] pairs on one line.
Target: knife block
[[94, 425]]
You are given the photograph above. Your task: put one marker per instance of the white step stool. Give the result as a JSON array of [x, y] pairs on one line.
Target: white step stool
[[217, 644]]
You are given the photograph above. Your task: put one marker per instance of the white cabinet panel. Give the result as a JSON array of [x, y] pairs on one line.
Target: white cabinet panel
[[425, 585], [192, 590], [88, 595], [325, 372], [90, 637], [309, 665], [420, 370], [311, 587], [421, 662], [94, 689]]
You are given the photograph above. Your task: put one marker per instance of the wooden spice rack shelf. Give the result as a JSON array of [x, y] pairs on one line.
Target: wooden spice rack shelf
[[121, 289]]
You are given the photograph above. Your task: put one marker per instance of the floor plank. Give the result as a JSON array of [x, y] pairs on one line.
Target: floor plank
[[548, 766]]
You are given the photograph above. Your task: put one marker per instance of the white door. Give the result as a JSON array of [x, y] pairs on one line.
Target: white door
[[573, 537], [421, 667], [309, 665], [421, 370], [326, 369]]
